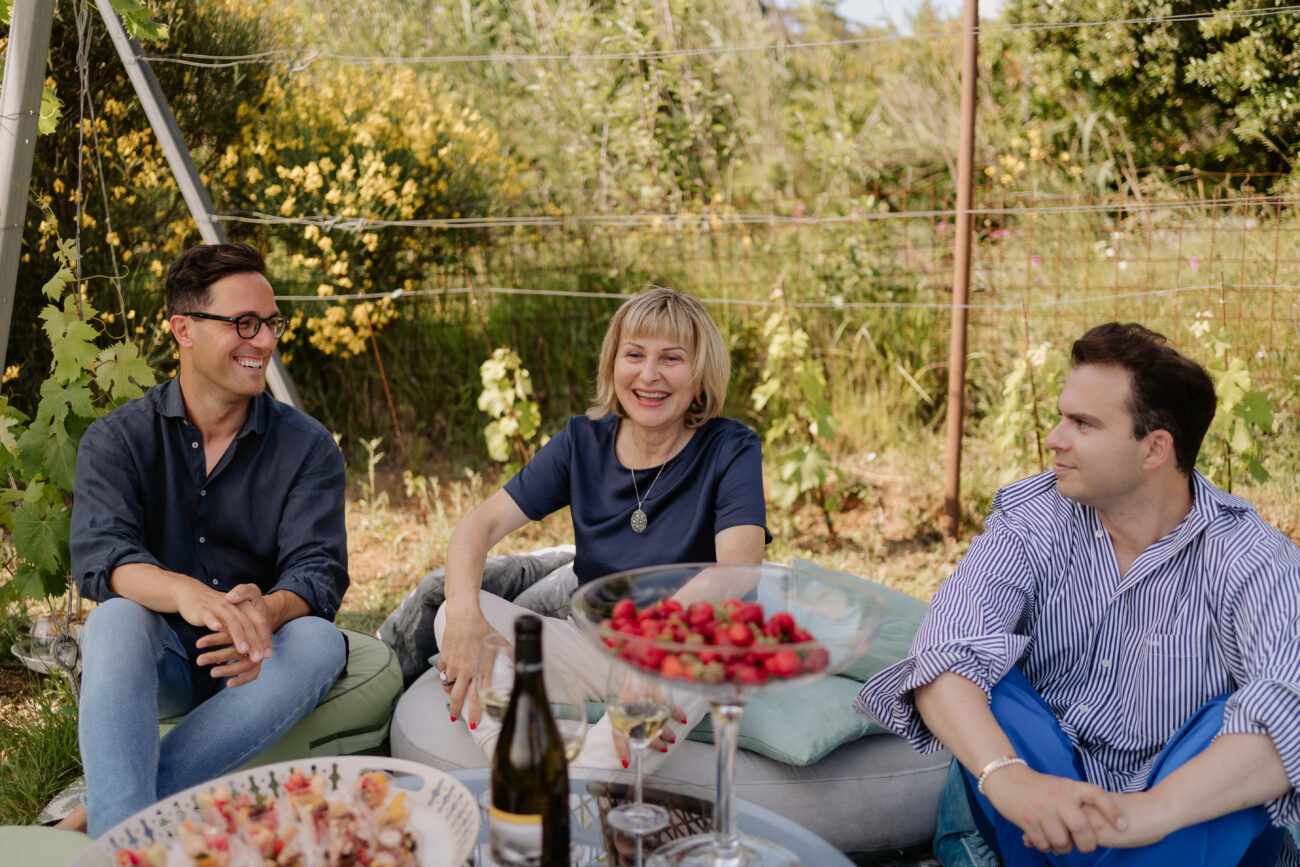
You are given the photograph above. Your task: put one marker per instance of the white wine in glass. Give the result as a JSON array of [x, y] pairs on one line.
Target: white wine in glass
[[496, 675], [638, 708]]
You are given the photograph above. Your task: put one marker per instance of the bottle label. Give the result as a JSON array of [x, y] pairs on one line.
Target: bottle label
[[516, 837]]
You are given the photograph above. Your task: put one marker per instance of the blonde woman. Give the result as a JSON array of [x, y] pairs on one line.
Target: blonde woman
[[651, 475]]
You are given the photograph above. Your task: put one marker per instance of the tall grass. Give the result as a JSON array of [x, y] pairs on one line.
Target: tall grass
[[38, 738]]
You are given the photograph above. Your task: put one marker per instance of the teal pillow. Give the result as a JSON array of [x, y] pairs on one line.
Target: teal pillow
[[800, 724], [903, 614]]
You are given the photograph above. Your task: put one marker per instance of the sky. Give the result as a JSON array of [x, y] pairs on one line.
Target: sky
[[878, 11]]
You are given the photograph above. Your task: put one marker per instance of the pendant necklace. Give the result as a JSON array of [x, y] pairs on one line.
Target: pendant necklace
[[639, 519]]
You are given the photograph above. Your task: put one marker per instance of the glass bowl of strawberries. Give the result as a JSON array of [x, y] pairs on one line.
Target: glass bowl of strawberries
[[728, 632]]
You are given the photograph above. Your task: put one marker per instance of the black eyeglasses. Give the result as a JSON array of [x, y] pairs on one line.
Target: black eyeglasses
[[248, 325]]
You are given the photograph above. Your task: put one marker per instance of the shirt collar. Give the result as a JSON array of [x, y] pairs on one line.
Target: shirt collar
[[172, 405]]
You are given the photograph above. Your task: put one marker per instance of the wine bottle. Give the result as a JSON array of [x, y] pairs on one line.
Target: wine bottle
[[529, 819]]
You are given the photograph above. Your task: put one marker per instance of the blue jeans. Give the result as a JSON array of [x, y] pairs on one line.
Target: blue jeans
[[1241, 838], [135, 672]]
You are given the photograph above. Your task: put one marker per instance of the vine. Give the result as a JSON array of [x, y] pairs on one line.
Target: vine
[[792, 393]]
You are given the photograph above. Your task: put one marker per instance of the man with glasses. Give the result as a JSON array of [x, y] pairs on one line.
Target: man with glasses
[[208, 523]]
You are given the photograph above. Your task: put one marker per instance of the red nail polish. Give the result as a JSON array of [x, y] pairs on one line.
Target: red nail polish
[[663, 749], [624, 764], [453, 719], [473, 726], [683, 720]]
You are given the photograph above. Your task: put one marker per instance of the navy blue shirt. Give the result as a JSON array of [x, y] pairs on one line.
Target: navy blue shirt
[[270, 513], [713, 483]]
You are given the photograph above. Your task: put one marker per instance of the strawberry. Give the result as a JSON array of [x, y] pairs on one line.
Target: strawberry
[[740, 635], [748, 612], [624, 609], [699, 613], [671, 668]]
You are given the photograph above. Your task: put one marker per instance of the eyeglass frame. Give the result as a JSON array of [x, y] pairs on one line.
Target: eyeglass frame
[[239, 323]]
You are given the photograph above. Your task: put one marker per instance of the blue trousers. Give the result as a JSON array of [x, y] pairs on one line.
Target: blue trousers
[[1243, 838], [136, 672]]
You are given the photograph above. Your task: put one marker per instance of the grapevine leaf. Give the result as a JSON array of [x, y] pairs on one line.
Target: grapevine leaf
[[57, 400], [1241, 439], [497, 443], [1256, 469], [51, 112], [530, 419], [48, 449], [1254, 408], [122, 373], [73, 343], [138, 21], [40, 535], [54, 286], [9, 442]]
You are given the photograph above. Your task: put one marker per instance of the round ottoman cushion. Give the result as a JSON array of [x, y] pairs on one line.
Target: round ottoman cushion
[[35, 844], [354, 715], [866, 797]]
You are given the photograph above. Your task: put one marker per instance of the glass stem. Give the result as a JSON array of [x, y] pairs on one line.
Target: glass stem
[[636, 776], [726, 732]]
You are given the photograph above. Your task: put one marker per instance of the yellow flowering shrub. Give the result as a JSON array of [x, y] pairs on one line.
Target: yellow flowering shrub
[[337, 145]]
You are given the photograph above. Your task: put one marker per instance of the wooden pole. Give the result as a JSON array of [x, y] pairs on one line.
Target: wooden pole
[[961, 268], [30, 23]]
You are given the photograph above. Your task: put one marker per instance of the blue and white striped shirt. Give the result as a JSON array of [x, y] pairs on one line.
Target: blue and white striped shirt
[[1212, 608]]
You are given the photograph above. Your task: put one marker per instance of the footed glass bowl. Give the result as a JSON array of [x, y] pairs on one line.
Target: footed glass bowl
[[837, 618]]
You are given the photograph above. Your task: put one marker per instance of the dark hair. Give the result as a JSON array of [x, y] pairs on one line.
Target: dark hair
[[1168, 391], [199, 267]]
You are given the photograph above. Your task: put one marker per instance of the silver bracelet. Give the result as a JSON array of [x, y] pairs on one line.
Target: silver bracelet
[[997, 765]]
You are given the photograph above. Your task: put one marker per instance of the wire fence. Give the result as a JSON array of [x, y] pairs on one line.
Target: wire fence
[[1046, 267]]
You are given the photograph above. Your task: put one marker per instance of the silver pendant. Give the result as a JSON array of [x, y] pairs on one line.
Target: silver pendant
[[638, 521]]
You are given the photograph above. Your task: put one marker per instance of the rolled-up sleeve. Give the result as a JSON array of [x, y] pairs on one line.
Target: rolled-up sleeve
[[970, 630], [108, 511], [1264, 628], [312, 557]]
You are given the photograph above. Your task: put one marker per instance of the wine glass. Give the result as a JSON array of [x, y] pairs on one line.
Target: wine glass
[[638, 708], [496, 675], [568, 702], [840, 615]]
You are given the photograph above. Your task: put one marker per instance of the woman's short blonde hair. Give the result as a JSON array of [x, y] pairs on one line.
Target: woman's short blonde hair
[[681, 318]]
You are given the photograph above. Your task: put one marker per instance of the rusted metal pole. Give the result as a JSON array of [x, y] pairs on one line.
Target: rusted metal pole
[[961, 268]]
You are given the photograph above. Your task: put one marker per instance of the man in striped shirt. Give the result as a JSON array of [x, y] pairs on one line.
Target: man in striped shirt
[[1116, 661]]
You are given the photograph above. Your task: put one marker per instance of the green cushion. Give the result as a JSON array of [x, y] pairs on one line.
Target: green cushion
[[34, 844], [799, 725], [353, 716]]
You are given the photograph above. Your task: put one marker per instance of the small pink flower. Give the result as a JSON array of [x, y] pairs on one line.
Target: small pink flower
[[1035, 261], [1195, 262], [800, 209]]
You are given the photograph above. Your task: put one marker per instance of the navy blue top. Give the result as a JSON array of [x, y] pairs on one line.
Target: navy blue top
[[714, 482], [270, 513]]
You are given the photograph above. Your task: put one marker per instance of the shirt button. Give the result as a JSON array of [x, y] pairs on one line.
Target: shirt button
[[203, 493], [194, 445], [1099, 533], [1083, 708], [202, 539], [1105, 663], [214, 581]]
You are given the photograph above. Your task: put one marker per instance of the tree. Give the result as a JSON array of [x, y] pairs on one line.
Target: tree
[[1220, 92]]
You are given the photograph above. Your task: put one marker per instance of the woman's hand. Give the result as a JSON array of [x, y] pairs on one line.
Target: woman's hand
[[461, 640], [667, 737]]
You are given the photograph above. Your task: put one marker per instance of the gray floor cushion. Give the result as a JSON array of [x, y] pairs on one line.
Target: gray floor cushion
[[869, 796]]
